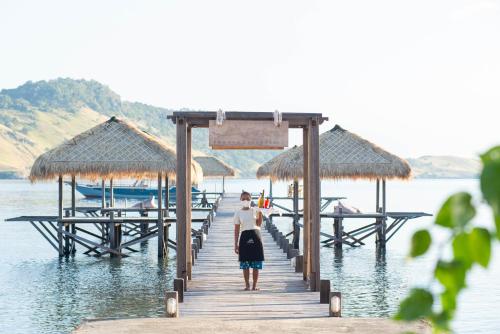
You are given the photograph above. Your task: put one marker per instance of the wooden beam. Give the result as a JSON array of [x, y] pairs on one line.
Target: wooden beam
[[306, 220], [189, 201], [314, 204], [181, 203]]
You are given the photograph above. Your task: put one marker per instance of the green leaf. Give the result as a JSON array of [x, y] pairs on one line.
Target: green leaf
[[420, 242], [449, 301], [441, 321], [451, 275], [461, 249], [490, 182], [480, 246], [417, 305], [457, 211]]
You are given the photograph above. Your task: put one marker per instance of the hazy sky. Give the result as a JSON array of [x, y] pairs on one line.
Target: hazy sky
[[416, 77]]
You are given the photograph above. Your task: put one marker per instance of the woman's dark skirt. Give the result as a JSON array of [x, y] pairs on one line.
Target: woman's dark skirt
[[250, 249]]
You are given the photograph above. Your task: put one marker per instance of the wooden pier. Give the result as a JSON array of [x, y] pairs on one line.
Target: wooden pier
[[215, 301]]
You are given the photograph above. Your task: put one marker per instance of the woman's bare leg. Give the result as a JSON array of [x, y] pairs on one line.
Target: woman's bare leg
[[246, 275], [255, 274]]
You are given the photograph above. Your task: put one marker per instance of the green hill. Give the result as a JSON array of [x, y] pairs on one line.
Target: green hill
[[37, 116]]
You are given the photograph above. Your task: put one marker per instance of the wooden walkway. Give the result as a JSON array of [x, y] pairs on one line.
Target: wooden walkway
[[216, 303], [216, 289]]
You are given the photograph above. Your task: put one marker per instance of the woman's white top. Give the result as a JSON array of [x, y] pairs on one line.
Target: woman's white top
[[247, 219]]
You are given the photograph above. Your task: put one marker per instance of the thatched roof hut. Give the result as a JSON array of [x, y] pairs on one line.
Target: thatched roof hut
[[213, 167], [113, 149], [342, 154]]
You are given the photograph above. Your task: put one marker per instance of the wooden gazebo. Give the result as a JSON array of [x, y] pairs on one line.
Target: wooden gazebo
[[250, 125], [113, 149], [214, 167]]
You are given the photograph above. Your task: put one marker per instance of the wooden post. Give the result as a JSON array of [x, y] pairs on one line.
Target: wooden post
[[60, 215], [181, 199], [324, 293], [159, 223], [377, 197], [337, 231], [314, 205], [383, 226], [103, 194], [172, 304], [167, 197], [306, 220], [73, 210], [270, 188], [296, 227], [223, 185], [111, 194], [189, 200]]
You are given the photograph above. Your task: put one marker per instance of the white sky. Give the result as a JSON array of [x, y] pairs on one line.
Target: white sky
[[416, 77]]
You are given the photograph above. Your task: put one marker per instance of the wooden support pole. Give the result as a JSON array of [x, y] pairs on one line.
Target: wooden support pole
[[167, 197], [60, 215], [223, 185], [324, 293], [270, 188], [296, 228], [159, 223], [73, 196], [189, 200], [337, 231], [111, 194], [103, 194], [306, 220], [377, 197], [314, 205], [181, 199], [172, 304]]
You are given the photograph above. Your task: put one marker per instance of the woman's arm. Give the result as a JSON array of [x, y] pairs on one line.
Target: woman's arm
[[236, 237], [259, 218]]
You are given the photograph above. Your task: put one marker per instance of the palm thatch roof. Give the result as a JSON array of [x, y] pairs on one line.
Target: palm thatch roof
[[114, 148], [213, 167], [342, 155]]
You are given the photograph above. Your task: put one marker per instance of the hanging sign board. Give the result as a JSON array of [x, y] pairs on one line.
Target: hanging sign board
[[239, 134]]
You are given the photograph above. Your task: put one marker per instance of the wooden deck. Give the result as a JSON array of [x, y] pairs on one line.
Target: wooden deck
[[216, 289], [216, 302]]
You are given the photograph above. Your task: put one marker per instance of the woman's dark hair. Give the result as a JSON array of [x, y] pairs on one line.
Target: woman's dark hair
[[245, 193]]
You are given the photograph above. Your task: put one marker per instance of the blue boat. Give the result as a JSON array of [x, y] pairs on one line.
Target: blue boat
[[131, 192]]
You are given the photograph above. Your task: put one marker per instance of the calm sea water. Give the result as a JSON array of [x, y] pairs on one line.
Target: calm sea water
[[39, 293]]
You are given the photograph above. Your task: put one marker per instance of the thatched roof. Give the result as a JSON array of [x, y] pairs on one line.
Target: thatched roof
[[213, 167], [114, 148], [342, 154]]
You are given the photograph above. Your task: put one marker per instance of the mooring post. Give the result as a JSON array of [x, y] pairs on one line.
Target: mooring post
[[299, 263], [324, 292], [180, 288]]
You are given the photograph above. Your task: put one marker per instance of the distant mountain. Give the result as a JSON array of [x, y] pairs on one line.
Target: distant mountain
[[439, 167], [37, 116]]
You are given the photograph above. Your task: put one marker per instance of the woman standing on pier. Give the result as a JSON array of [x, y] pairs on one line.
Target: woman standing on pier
[[248, 245]]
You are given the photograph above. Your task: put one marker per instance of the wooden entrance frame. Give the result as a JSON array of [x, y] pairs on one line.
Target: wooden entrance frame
[[309, 123]]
